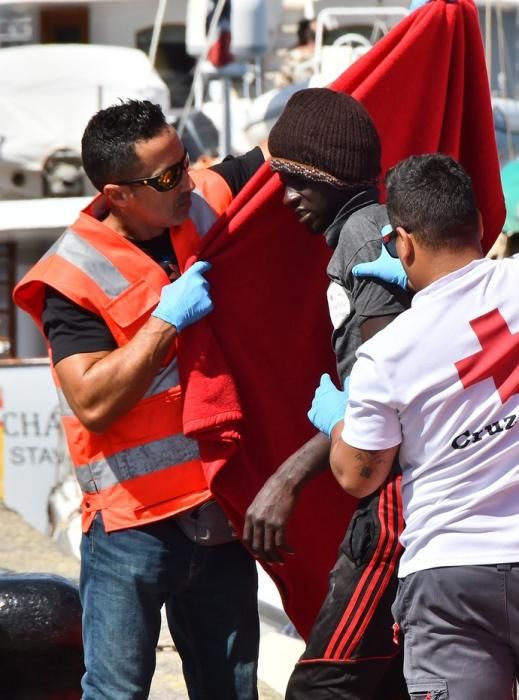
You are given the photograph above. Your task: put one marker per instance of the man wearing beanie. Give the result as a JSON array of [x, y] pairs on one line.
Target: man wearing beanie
[[327, 153]]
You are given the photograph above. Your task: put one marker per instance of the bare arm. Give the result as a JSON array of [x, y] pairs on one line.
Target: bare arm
[[359, 472], [102, 386], [268, 514]]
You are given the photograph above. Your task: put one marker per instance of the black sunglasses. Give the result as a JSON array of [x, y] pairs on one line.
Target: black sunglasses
[[389, 241], [164, 181]]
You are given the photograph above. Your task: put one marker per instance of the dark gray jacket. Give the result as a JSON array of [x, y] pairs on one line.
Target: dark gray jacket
[[355, 237]]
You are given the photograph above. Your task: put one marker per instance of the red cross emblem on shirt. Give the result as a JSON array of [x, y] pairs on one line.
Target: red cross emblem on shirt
[[498, 358]]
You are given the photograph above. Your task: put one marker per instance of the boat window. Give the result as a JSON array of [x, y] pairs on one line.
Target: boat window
[[16, 27], [173, 63], [64, 25]]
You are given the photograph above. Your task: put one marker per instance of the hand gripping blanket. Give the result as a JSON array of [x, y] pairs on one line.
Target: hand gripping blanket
[[251, 367]]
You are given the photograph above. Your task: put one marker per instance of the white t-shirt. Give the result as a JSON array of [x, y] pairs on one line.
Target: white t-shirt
[[428, 381]]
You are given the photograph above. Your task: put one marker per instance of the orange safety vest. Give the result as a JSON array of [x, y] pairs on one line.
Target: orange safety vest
[[142, 468]]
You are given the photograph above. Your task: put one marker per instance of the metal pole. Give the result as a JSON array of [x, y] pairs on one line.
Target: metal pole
[[225, 131], [488, 40], [157, 28], [516, 53], [502, 73]]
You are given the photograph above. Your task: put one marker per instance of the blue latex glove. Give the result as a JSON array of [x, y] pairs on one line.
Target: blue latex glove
[[385, 267], [329, 405], [187, 299]]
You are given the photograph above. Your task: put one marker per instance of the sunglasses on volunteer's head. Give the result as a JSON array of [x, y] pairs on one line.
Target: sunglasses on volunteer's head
[[164, 181]]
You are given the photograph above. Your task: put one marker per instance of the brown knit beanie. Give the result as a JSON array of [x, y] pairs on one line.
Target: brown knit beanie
[[326, 136]]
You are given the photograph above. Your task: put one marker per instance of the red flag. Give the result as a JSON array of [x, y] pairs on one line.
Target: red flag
[[426, 87], [220, 50], [250, 368]]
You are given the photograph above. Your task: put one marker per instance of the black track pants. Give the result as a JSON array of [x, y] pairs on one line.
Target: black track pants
[[350, 653]]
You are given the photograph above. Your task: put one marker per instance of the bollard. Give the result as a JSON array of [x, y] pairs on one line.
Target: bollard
[[41, 651]]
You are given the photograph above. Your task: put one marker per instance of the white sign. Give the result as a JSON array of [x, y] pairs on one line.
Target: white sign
[[32, 440]]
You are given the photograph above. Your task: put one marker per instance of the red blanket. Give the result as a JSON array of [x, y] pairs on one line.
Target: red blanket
[[251, 367]]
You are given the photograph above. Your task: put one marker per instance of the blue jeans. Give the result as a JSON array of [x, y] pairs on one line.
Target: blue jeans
[[210, 594]]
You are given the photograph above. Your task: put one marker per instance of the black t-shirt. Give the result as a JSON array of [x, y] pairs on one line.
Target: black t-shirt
[[237, 171], [71, 329]]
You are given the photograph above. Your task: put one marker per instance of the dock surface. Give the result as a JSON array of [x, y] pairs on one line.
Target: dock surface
[[25, 550]]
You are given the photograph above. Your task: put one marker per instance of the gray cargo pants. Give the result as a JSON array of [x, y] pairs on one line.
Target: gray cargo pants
[[461, 632]]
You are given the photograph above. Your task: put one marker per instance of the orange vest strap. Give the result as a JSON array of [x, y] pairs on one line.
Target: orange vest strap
[[213, 187], [210, 199]]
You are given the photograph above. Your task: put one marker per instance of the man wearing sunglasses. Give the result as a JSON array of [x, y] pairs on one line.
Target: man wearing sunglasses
[[327, 153], [104, 299], [441, 387]]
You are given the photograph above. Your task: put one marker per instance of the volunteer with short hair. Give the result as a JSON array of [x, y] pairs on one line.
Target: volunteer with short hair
[[440, 388], [152, 534]]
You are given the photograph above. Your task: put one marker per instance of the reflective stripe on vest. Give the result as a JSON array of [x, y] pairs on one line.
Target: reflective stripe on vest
[[201, 213], [79, 252], [135, 461], [165, 378]]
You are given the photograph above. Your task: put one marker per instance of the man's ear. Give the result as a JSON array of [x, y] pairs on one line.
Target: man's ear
[[406, 251], [116, 194]]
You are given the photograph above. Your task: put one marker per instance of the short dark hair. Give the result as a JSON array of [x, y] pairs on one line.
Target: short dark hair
[[108, 143], [432, 197]]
